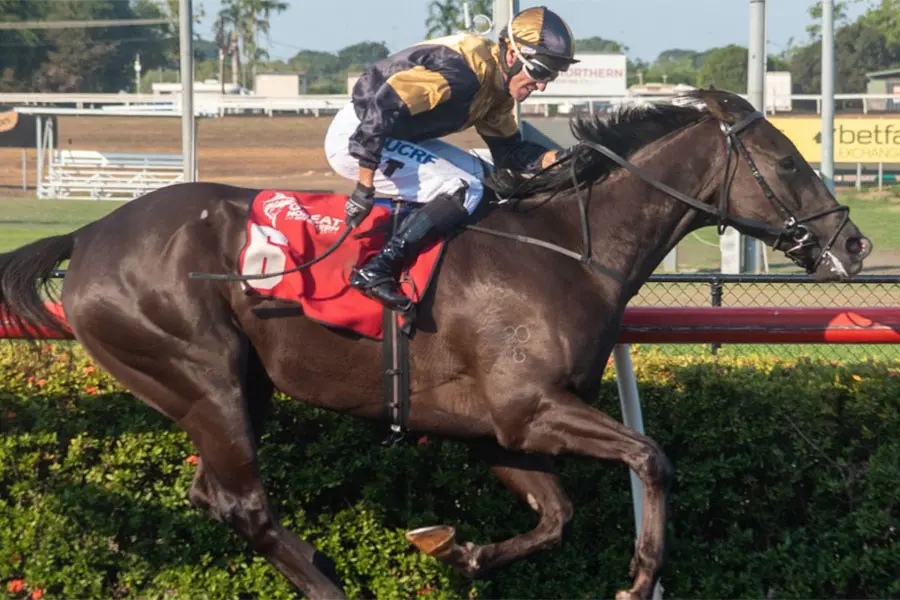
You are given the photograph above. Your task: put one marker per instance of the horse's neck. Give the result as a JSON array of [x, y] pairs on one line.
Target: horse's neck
[[635, 225]]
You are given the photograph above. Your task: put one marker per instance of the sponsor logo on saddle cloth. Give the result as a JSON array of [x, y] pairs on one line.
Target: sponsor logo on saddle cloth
[[275, 206]]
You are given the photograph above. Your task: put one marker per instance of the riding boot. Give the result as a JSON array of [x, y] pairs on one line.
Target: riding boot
[[379, 277]]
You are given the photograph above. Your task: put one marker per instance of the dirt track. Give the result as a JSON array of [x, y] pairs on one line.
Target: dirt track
[[283, 152]]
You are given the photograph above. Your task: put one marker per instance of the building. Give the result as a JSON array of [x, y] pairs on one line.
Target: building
[[280, 84], [884, 82], [352, 78]]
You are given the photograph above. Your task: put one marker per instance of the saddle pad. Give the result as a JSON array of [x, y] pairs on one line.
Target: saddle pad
[[286, 229]]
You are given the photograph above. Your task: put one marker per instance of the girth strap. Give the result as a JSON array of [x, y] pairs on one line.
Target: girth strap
[[395, 349]]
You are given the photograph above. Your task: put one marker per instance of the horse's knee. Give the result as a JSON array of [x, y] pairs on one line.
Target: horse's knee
[[653, 466], [246, 512]]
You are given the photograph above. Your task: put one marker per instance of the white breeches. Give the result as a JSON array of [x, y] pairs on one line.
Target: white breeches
[[413, 172]]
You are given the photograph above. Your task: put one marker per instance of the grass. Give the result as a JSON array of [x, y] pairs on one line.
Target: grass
[[24, 220]]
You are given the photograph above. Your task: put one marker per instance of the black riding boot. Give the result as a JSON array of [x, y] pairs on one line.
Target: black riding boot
[[379, 277]]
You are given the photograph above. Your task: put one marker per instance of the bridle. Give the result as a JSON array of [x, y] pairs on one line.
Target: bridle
[[795, 234], [793, 238]]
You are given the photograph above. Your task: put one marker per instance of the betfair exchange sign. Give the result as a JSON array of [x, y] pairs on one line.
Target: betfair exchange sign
[[856, 140]]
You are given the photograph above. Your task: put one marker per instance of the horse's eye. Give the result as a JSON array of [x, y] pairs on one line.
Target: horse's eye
[[787, 164]]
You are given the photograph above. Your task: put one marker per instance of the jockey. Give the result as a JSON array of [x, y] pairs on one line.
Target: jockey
[[385, 138]]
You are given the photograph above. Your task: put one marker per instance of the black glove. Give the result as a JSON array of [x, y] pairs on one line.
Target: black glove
[[359, 205]]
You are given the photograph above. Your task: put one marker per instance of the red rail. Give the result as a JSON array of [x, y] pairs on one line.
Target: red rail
[[764, 325], [659, 325]]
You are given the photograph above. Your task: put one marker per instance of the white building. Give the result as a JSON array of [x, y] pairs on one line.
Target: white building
[[280, 84]]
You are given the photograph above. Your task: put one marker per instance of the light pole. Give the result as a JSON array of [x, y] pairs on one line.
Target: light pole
[[185, 17], [827, 161], [137, 73]]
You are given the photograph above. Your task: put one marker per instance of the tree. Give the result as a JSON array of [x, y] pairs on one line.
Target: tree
[[601, 45], [725, 68], [361, 55], [23, 50], [446, 17], [443, 18], [840, 17], [885, 18], [672, 70], [227, 28], [250, 19], [98, 59], [859, 49], [677, 56], [315, 63]]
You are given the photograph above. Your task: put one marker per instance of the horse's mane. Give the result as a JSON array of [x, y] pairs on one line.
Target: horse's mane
[[624, 131]]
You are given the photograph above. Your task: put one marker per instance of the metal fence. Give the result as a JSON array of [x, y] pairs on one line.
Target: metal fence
[[717, 289]]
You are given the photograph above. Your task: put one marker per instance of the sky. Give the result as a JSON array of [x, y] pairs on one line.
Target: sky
[[646, 27]]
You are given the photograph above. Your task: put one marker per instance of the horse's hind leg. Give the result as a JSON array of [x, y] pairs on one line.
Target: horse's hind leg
[[533, 478], [206, 392]]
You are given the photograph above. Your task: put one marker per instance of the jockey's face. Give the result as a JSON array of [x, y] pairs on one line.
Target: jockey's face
[[520, 85]]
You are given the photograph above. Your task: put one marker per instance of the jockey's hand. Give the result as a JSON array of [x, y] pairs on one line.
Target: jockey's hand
[[359, 205]]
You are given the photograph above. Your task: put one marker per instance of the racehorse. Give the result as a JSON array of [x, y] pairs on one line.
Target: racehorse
[[510, 360]]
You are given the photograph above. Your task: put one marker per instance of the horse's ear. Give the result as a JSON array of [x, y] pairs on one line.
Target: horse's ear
[[725, 106], [717, 105]]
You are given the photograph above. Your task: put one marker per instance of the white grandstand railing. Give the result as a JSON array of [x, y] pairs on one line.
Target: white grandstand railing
[[215, 104]]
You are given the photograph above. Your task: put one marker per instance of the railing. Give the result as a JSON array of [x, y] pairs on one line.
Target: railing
[[314, 103], [764, 325]]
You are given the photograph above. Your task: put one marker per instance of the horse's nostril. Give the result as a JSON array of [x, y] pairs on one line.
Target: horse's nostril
[[859, 246]]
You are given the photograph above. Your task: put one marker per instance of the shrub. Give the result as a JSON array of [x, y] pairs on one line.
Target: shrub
[[786, 487]]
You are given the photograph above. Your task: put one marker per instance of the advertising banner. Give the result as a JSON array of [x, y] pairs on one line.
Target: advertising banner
[[594, 75], [856, 139]]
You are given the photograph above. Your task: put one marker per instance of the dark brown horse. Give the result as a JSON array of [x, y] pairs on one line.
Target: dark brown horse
[[511, 342]]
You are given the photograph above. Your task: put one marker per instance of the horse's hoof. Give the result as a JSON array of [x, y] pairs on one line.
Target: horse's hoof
[[437, 541]]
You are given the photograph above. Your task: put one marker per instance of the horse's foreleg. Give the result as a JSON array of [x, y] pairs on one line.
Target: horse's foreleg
[[533, 478], [560, 424]]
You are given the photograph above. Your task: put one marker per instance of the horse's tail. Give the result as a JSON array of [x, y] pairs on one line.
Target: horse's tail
[[26, 286]]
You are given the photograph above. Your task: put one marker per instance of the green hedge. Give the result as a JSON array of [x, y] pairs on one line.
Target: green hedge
[[787, 487]]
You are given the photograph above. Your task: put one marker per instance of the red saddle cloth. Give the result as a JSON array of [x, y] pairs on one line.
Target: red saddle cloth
[[286, 229]]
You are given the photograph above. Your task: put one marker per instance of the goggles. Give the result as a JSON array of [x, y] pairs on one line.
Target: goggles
[[534, 69]]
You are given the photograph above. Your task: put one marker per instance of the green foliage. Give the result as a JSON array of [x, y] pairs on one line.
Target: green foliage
[[859, 49], [814, 29], [76, 59], [248, 19], [446, 17], [599, 44], [725, 68], [786, 487], [885, 18], [361, 55]]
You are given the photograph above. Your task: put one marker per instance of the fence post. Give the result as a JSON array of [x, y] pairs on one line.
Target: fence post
[[880, 176], [24, 171], [716, 290], [630, 402], [859, 177]]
